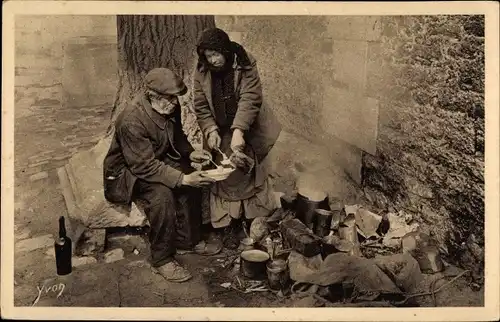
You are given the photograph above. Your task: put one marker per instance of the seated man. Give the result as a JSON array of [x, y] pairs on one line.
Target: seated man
[[149, 163]]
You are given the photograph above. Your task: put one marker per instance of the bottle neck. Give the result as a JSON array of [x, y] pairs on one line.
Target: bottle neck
[[62, 228]]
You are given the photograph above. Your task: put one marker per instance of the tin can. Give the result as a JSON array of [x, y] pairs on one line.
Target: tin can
[[322, 222], [278, 275]]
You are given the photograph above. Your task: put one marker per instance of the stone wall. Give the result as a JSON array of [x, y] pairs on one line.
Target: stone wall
[[65, 83], [80, 51]]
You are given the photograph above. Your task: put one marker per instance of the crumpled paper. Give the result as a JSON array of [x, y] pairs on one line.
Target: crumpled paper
[[367, 222], [398, 228]]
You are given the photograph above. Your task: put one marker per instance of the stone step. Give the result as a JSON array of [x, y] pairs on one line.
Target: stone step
[[27, 245]]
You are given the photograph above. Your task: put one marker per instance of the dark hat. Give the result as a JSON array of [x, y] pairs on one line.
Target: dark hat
[[215, 39], [166, 82]]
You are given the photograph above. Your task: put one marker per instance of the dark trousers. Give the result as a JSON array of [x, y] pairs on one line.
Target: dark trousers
[[174, 216]]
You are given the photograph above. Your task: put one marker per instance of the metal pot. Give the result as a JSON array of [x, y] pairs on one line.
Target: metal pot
[[253, 264], [306, 208]]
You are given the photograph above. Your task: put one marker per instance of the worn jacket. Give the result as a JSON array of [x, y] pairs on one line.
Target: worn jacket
[[253, 116], [145, 145]]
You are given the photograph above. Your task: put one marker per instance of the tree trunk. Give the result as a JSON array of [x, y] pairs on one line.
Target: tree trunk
[[147, 42]]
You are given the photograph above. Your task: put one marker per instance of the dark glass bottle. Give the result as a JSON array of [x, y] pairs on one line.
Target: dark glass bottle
[[63, 250]]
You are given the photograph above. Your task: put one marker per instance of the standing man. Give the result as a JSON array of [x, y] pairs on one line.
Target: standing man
[[149, 163]]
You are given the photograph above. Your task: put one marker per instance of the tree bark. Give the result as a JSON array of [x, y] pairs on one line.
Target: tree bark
[[147, 42]]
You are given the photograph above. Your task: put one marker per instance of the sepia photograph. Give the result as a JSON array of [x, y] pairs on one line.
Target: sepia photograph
[[328, 158]]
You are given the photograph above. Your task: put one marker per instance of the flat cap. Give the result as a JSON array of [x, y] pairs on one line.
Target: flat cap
[[166, 82]]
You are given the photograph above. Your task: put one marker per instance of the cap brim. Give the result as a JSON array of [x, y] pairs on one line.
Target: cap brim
[[182, 92]]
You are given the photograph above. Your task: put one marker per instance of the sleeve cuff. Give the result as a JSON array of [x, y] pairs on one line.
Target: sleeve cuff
[[179, 180], [173, 178], [238, 126], [210, 130]]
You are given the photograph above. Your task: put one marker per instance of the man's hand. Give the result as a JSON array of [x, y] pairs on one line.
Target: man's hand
[[213, 140], [201, 157], [196, 179], [237, 141], [242, 161]]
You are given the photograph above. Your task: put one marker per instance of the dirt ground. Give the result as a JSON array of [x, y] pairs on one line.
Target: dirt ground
[[45, 141]]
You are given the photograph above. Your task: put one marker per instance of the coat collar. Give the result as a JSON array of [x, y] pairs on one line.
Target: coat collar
[[159, 119], [206, 77]]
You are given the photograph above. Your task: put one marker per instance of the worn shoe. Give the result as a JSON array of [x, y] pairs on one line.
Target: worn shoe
[[173, 272], [230, 238], [203, 248], [208, 248]]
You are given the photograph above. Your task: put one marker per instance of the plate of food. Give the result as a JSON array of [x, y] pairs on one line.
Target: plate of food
[[219, 174]]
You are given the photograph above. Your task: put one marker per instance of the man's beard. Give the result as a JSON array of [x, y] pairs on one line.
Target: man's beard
[[163, 106]]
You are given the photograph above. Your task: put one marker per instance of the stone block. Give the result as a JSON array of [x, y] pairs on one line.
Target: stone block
[[81, 261], [348, 62], [39, 176], [351, 117], [89, 71], [19, 235], [38, 164], [27, 245], [138, 263], [40, 157], [61, 157], [114, 255], [346, 27], [354, 27], [327, 46], [373, 25], [127, 242]]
